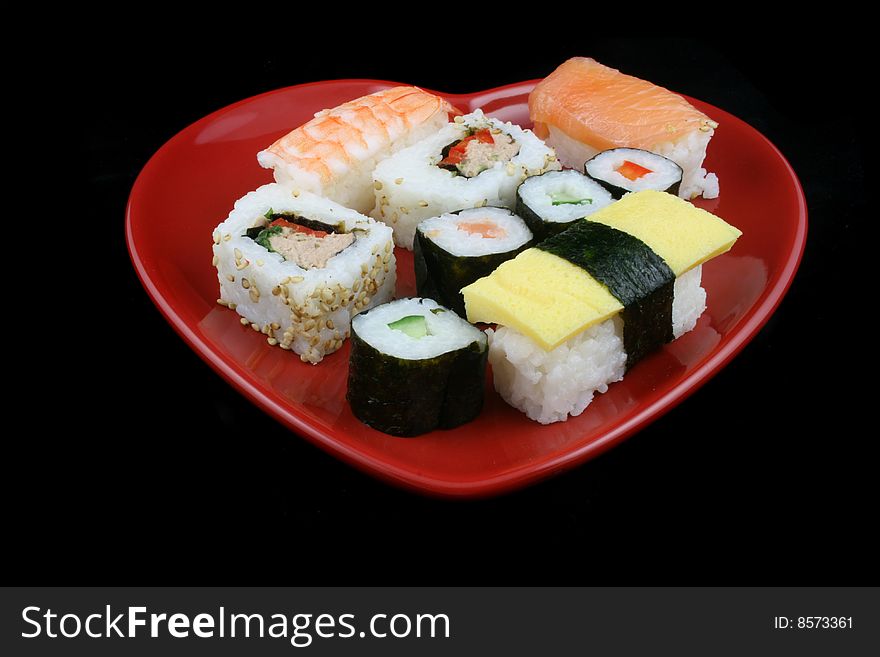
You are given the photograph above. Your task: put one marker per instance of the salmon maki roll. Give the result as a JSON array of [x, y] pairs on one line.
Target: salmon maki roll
[[334, 154], [583, 108]]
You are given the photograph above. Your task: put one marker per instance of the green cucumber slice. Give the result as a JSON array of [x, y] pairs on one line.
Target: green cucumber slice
[[414, 326]]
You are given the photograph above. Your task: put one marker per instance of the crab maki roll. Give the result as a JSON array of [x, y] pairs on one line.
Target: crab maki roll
[[298, 267], [549, 203], [624, 170], [455, 249], [415, 366]]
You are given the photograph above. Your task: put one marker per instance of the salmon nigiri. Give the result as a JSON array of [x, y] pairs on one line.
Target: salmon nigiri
[[334, 154], [583, 108]]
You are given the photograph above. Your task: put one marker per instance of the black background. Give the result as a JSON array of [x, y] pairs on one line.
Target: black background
[[763, 476]]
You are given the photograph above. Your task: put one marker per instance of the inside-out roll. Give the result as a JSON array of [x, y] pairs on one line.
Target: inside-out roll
[[474, 161], [297, 267]]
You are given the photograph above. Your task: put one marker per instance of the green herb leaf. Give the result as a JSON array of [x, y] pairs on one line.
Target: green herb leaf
[[263, 238], [269, 214]]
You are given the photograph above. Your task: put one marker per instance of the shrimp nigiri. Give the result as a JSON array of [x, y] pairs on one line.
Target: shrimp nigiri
[[334, 154]]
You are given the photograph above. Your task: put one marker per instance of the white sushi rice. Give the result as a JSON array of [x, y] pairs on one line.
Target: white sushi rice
[[410, 187], [446, 233], [549, 386], [446, 330], [538, 192], [305, 310], [688, 153]]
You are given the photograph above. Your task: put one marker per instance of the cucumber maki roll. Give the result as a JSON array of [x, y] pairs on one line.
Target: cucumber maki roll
[[453, 250], [549, 203], [624, 170], [415, 366]]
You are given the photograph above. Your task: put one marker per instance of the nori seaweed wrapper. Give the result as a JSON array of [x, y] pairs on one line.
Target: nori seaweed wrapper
[[441, 275], [410, 397], [540, 228], [636, 276]]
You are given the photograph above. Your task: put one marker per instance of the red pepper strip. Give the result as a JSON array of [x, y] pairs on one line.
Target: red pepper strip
[[456, 153], [300, 229], [632, 171], [484, 136]]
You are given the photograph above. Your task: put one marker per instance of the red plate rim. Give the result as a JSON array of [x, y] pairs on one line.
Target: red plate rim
[[514, 478]]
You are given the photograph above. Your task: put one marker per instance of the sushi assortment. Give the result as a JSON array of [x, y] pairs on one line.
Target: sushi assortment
[[572, 243], [576, 311]]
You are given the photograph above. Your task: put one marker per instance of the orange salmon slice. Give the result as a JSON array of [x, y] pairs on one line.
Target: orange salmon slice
[[483, 228], [605, 108]]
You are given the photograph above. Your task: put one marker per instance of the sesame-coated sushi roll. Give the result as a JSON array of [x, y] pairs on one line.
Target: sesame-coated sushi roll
[[298, 267], [472, 162], [415, 366], [453, 250]]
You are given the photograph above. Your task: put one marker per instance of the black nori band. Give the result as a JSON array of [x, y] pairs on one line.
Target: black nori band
[[636, 276]]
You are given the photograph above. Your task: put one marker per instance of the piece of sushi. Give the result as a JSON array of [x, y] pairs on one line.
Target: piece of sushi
[[583, 108], [334, 154], [415, 366], [298, 267], [455, 249], [624, 170], [472, 162], [579, 309], [550, 202]]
